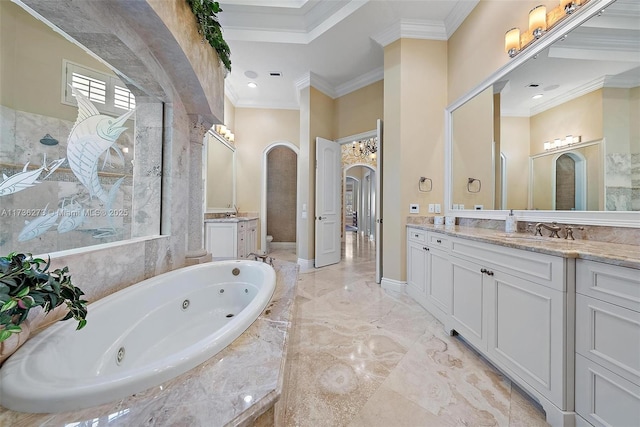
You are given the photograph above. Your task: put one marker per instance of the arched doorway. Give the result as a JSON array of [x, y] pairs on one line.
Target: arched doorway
[[570, 182], [279, 196], [363, 210]]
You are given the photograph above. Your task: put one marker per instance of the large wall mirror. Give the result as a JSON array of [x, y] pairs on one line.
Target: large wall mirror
[[555, 133], [220, 173]]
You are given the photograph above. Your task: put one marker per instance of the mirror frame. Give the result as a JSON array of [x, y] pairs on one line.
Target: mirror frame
[[205, 149], [602, 218]]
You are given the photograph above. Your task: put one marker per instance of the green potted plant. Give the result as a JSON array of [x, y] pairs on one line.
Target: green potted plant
[[206, 12], [26, 282]]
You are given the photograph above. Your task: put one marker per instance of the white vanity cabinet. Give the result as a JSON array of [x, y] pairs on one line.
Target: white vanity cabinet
[[515, 306], [429, 272], [231, 238], [607, 344]]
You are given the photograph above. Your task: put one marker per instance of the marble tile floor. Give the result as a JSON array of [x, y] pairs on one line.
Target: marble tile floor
[[361, 356]]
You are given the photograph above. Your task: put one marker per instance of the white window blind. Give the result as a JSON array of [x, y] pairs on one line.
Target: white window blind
[[107, 92]]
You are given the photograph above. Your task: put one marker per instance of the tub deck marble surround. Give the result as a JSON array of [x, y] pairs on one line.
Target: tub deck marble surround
[[363, 356], [238, 386]]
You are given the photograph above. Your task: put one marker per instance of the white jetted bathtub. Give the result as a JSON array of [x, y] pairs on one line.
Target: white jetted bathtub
[[137, 338]]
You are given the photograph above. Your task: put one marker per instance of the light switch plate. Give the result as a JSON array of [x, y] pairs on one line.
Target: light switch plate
[[431, 208], [438, 208], [414, 208]]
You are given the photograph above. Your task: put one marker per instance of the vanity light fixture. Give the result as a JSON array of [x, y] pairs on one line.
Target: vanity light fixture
[[512, 42], [540, 22], [562, 142], [224, 132], [366, 147]]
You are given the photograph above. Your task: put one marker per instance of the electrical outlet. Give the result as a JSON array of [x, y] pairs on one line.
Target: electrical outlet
[[431, 208], [455, 206], [438, 208], [414, 208], [461, 206]]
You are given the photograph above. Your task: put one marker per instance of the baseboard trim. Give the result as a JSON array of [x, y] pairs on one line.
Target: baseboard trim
[[306, 264], [393, 285]]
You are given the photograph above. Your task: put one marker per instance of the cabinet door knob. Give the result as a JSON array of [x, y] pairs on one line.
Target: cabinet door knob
[[483, 270], [425, 248], [417, 235], [489, 273], [439, 241]]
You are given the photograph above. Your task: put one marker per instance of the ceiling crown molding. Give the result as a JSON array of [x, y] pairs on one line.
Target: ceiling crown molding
[[360, 82], [456, 17], [313, 80], [411, 29], [568, 96]]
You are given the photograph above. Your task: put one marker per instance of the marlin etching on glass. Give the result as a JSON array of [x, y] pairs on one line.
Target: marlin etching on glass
[[92, 136]]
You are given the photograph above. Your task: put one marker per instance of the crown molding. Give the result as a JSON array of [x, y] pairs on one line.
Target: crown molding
[[360, 82], [568, 96], [411, 29], [230, 93], [268, 106], [312, 79], [458, 14]]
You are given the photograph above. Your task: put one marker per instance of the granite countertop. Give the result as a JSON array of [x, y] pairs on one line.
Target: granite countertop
[[232, 219], [234, 387], [610, 253]]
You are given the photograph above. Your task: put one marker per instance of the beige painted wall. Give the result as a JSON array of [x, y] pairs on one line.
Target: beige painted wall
[[580, 116], [28, 88], [255, 129], [473, 153], [358, 111], [415, 96], [476, 49], [514, 144]]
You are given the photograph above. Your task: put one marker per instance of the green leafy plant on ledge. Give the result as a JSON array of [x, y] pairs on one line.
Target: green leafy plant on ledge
[[209, 28], [25, 283]]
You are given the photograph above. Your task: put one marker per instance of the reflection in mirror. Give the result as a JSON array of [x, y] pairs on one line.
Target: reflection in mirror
[[69, 124], [583, 87], [220, 174], [568, 179]]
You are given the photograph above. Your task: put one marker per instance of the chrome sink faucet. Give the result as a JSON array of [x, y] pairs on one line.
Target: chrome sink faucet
[[553, 228]]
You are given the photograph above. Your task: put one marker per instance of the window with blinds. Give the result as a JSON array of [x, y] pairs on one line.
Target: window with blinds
[[107, 92]]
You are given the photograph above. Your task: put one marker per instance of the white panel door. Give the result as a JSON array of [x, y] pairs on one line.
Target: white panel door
[[328, 205]]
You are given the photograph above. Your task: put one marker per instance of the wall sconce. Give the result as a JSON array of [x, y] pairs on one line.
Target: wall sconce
[[364, 148], [512, 42], [422, 181], [562, 142], [224, 132], [470, 181], [540, 22]]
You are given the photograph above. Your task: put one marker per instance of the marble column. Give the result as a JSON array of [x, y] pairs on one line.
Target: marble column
[[196, 253]]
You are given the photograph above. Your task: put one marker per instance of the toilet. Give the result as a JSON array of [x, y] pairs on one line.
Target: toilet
[[269, 240]]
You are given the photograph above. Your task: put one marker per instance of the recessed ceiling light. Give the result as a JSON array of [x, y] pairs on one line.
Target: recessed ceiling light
[[538, 96], [253, 85], [250, 74]]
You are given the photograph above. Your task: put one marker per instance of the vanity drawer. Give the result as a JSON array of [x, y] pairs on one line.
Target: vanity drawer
[[609, 335], [437, 240], [604, 398], [544, 269], [610, 283], [416, 235]]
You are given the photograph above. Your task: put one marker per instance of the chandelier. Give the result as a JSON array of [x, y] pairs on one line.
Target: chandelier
[[365, 148]]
